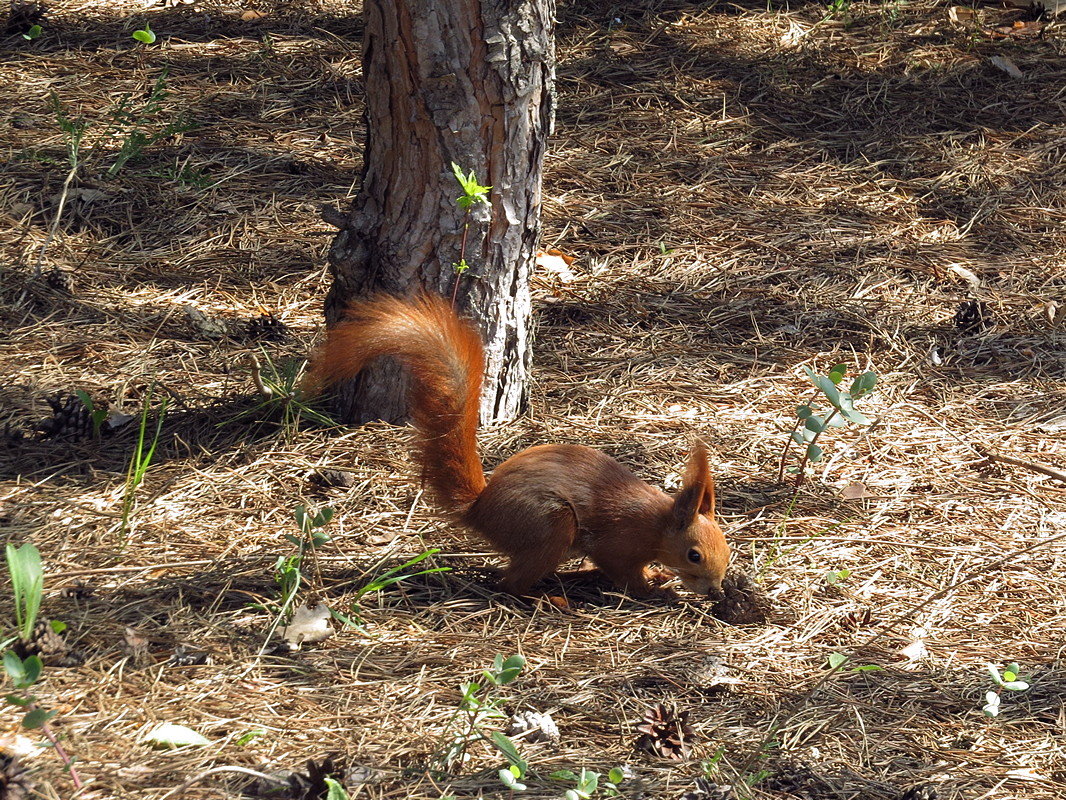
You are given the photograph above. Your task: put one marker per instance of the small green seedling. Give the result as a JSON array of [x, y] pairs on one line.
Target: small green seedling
[[1009, 681], [587, 783], [281, 398], [835, 576], [141, 458], [97, 415], [27, 583], [334, 790], [480, 704], [473, 194], [34, 32], [837, 660], [511, 778], [473, 191], [288, 571], [145, 35], [810, 425]]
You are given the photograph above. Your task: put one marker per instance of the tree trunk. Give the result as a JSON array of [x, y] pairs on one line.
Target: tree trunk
[[468, 82]]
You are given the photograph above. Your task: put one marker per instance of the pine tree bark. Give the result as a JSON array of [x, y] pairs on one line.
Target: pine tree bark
[[468, 82]]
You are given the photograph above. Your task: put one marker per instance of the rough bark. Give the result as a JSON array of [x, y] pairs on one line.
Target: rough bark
[[463, 81]]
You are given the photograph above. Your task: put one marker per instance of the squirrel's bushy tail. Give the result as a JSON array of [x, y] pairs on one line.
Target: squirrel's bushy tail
[[446, 361]]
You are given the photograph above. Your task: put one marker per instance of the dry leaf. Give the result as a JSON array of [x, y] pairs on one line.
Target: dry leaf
[[1008, 66], [556, 262], [310, 623], [962, 15], [1051, 310], [855, 490], [251, 15], [915, 650], [967, 275]]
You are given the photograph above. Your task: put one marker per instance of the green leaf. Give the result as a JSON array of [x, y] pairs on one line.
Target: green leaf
[[33, 33], [863, 385], [14, 668], [814, 453], [587, 782], [33, 666], [168, 735], [1016, 686], [27, 584], [868, 668], [57, 626], [563, 775], [250, 736], [855, 416], [1009, 675], [836, 374], [616, 776], [510, 752], [323, 517], [36, 718], [85, 399], [836, 421], [510, 669], [804, 411], [146, 36], [334, 790], [994, 673], [507, 778], [570, 794], [836, 659], [797, 437], [828, 388]]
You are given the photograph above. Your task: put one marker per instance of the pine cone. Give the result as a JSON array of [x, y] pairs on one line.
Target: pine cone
[[925, 791], [971, 316], [59, 280], [266, 326], [665, 733], [741, 602], [15, 783], [70, 419], [49, 645]]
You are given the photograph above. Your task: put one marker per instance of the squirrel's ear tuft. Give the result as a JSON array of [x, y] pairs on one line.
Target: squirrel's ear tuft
[[697, 493]]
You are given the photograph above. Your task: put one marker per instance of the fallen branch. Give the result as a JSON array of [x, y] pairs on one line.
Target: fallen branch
[[1043, 469]]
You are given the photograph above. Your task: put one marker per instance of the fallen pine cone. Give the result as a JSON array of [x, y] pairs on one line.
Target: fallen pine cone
[[665, 733], [741, 602]]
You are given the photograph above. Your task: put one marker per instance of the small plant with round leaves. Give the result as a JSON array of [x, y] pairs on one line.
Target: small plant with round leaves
[[587, 783], [145, 35], [480, 705], [33, 33], [810, 425], [1007, 681]]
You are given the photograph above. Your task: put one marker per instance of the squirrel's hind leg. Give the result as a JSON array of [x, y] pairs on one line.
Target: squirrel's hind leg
[[544, 544]]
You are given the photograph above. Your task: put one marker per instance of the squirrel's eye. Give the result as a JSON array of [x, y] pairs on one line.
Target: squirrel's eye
[[694, 556]]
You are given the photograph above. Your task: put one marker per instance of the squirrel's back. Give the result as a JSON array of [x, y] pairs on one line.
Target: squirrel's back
[[446, 361]]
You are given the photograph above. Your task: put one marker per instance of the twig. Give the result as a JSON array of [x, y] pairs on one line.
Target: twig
[[55, 222], [1058, 475], [788, 443]]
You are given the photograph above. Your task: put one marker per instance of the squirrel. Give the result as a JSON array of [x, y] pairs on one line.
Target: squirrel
[[546, 504]]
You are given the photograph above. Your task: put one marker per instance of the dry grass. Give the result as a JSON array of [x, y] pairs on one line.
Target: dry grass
[[749, 191]]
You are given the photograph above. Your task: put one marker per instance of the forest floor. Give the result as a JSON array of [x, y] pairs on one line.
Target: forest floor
[[749, 190]]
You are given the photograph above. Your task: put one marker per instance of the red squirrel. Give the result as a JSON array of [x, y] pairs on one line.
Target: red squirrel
[[546, 504]]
